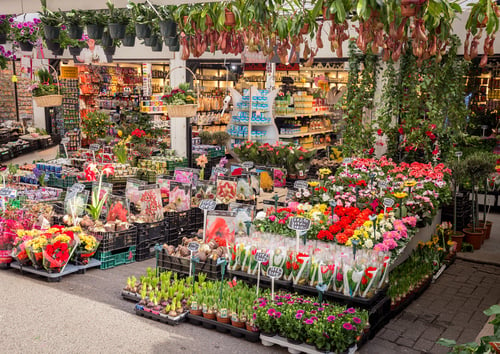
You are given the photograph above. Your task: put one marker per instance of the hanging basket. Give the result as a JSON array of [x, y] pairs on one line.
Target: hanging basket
[[183, 110], [50, 100]]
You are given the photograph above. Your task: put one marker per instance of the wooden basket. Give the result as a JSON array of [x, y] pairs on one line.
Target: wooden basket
[[50, 100], [183, 110]]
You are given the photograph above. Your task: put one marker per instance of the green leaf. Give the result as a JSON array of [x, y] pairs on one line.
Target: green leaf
[[493, 310], [340, 12]]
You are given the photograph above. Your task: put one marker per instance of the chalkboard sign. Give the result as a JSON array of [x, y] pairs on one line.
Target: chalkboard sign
[[274, 272], [290, 195], [247, 165], [78, 187], [299, 224], [261, 257], [95, 147], [208, 204], [193, 246], [300, 185], [64, 141], [388, 202]]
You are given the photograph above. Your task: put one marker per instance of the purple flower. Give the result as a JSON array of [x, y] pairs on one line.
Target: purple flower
[[63, 27], [298, 316], [314, 318], [277, 314], [316, 304], [290, 302], [3, 17], [314, 312], [254, 316], [330, 318], [279, 303], [11, 19], [307, 302], [26, 24], [37, 21], [356, 320], [19, 25], [255, 307], [347, 326], [262, 304], [321, 308], [300, 311], [351, 310], [309, 321], [340, 315]]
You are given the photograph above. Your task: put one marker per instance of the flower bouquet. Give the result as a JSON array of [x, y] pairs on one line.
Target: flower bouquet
[[181, 101], [45, 91], [58, 251], [34, 249], [19, 252], [86, 248]]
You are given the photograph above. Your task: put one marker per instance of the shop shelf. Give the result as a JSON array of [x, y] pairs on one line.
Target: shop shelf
[[117, 257]]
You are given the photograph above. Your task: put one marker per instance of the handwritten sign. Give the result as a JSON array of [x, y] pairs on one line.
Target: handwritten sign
[[300, 185], [64, 141], [208, 204], [78, 187], [261, 257], [219, 171], [247, 165], [388, 202], [95, 147], [274, 272], [299, 224], [458, 154], [193, 246]]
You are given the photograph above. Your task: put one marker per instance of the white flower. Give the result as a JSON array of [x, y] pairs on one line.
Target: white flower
[[368, 243], [260, 215], [325, 197], [306, 193]]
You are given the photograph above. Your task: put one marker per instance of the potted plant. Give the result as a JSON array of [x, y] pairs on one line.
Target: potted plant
[[5, 22], [143, 17], [95, 21], [117, 21], [51, 22], [458, 174], [74, 21], [181, 101], [45, 91], [168, 27], [95, 125], [25, 34], [129, 40], [478, 165]]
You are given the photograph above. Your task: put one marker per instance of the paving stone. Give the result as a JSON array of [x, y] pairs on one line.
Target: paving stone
[[399, 324], [432, 333], [439, 349], [466, 290], [389, 334], [378, 346], [468, 335], [413, 332], [405, 341], [452, 332], [423, 345], [462, 317], [446, 316], [408, 315]]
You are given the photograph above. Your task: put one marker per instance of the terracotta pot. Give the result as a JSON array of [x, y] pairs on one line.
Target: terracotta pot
[[251, 328], [223, 319], [489, 225], [458, 238], [196, 312], [209, 315], [238, 324], [230, 19], [474, 238], [480, 225]]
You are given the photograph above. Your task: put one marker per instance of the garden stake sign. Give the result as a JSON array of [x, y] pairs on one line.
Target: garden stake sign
[[300, 185], [458, 154], [192, 247], [247, 165], [248, 225], [321, 290], [276, 198], [301, 226], [206, 205], [157, 253], [260, 257], [222, 262], [388, 203], [64, 142], [273, 273], [94, 148]]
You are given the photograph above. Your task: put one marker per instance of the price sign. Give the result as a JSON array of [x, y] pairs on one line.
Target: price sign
[[247, 165], [274, 272], [193, 246], [219, 171], [300, 185], [299, 224], [64, 141], [77, 187], [261, 257], [208, 204], [382, 184], [290, 195], [458, 154], [388, 202], [4, 192], [347, 160], [95, 147]]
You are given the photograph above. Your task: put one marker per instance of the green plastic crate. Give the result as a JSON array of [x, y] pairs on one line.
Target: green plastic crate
[[117, 257], [61, 182]]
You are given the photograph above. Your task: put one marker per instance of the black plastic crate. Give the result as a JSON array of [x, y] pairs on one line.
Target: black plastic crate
[[150, 230], [181, 265], [114, 240], [146, 249]]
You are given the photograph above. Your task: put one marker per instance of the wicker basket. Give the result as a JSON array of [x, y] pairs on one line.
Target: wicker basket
[[183, 110], [49, 100]]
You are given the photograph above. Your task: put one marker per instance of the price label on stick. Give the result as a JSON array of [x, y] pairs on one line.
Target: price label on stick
[[458, 154], [208, 204], [247, 165], [64, 141], [261, 257], [388, 202], [219, 170], [95, 147], [193, 246], [275, 272], [299, 224], [78, 187], [300, 185]]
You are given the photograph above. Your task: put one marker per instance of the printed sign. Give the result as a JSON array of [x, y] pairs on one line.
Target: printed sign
[[193, 246], [274, 272], [388, 202], [299, 224], [247, 165], [78, 187], [64, 141], [261, 257], [208, 204], [94, 147], [300, 185]]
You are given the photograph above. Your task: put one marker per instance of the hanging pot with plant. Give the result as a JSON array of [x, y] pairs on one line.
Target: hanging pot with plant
[[58, 52], [158, 47], [129, 39], [106, 40], [110, 50], [175, 45], [167, 24], [151, 41], [95, 22], [142, 16], [73, 21], [51, 22], [52, 45], [118, 20], [75, 51]]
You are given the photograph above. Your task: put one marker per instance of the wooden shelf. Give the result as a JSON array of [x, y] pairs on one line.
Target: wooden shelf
[[298, 135]]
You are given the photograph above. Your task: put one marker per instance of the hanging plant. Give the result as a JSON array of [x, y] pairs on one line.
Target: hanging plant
[[51, 22], [73, 21]]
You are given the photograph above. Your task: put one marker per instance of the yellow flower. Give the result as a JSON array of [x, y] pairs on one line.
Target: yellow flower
[[368, 223], [410, 183], [365, 234], [357, 232], [400, 195], [314, 183]]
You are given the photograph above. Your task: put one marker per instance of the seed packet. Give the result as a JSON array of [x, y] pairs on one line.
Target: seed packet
[[179, 196], [226, 190], [203, 190], [220, 227]]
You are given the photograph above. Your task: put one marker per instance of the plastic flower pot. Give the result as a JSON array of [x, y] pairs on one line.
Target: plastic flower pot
[[26, 46], [151, 41], [142, 30], [3, 38], [95, 31], [58, 51], [168, 41], [116, 30], [75, 32], [110, 50], [168, 28], [107, 41], [474, 237], [458, 237], [129, 40], [53, 46], [158, 47], [51, 32], [174, 46], [75, 51]]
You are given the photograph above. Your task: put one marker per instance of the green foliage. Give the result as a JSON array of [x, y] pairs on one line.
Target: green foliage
[[48, 17], [423, 112], [358, 130], [95, 17], [95, 125]]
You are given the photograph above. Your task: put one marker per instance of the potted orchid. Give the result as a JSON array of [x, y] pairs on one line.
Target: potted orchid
[[92, 174]]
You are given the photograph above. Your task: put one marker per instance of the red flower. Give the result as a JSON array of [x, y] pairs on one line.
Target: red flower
[[379, 132], [400, 130]]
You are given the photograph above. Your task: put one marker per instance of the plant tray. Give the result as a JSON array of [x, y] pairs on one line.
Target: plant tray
[[50, 277], [265, 281], [224, 328], [173, 321], [269, 341], [146, 250], [117, 257], [114, 240], [127, 295], [181, 265], [149, 231]]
